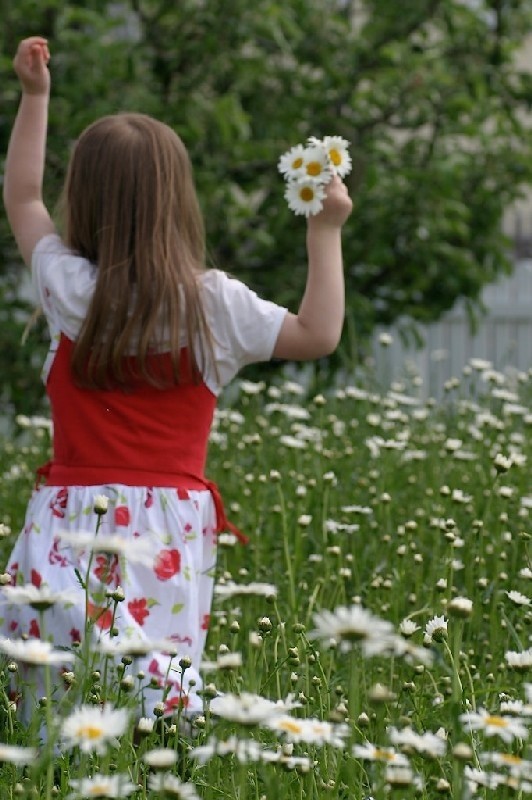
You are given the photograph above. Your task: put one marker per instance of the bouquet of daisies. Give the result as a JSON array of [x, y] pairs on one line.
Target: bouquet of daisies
[[308, 169]]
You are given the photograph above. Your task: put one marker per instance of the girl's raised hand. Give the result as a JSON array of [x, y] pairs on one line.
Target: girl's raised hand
[[31, 65], [337, 205]]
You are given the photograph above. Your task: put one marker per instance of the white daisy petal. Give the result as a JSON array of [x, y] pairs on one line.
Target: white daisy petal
[[34, 652], [339, 157], [292, 163], [305, 197], [92, 728], [108, 786]]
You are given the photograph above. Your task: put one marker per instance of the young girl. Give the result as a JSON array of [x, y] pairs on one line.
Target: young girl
[[144, 338]]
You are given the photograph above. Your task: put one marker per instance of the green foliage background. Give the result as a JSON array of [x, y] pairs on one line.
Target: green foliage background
[[427, 93]]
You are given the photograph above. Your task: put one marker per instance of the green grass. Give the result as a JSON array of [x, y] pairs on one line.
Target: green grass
[[352, 498]]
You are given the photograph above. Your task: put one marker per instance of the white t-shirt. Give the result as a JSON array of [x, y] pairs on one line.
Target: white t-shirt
[[244, 327]]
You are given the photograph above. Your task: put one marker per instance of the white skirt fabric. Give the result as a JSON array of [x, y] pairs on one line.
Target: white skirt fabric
[[166, 574]]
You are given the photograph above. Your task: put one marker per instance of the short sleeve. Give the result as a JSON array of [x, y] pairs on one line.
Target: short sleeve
[[64, 283], [244, 326]]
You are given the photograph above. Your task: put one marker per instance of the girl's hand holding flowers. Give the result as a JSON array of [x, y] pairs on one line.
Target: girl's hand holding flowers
[[309, 170], [336, 206], [31, 65]]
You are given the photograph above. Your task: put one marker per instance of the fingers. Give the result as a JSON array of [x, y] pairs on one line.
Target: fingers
[[38, 56], [33, 49], [30, 64], [33, 40], [337, 188]]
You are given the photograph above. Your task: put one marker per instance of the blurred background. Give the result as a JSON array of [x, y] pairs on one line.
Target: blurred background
[[435, 98]]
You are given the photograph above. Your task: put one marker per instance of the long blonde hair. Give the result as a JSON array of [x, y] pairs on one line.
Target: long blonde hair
[[130, 207]]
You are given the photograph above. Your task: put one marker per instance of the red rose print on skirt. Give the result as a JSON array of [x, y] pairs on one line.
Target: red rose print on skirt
[[138, 609], [36, 578], [180, 701], [102, 617], [167, 564], [59, 503], [122, 515], [107, 569]]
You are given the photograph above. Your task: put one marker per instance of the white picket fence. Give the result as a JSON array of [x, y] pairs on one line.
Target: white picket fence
[[503, 337]]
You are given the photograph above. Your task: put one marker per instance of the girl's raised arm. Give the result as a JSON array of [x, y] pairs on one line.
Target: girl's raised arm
[[316, 329], [24, 168]]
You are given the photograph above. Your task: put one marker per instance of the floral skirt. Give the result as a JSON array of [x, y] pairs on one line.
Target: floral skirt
[[163, 569]]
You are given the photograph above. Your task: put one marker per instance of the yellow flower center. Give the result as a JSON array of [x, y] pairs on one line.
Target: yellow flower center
[[496, 722], [290, 725], [384, 755], [99, 790], [297, 163], [314, 168], [90, 732], [306, 194], [507, 758], [335, 157]]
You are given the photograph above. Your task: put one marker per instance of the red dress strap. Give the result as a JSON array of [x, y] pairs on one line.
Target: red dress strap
[[222, 523]]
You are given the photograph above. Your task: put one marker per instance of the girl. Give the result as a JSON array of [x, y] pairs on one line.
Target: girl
[[144, 338]]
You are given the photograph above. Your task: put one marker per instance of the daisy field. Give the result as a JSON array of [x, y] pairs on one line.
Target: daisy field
[[371, 641]]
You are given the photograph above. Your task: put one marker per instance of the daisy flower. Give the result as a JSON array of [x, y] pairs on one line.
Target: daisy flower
[[233, 589], [502, 463], [518, 598], [170, 786], [109, 786], [246, 708], [17, 755], [518, 767], [100, 503], [292, 163], [521, 660], [223, 661], [371, 752], [91, 728], [244, 749], [316, 164], [408, 627], [339, 158], [427, 743], [311, 731], [114, 543], [286, 759], [410, 652], [135, 645], [39, 598], [34, 652], [145, 726], [305, 197], [436, 629], [508, 728], [354, 625], [460, 607], [478, 777], [160, 758], [399, 776]]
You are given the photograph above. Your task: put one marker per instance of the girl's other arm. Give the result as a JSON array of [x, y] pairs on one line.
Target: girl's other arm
[[316, 329], [24, 168]]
